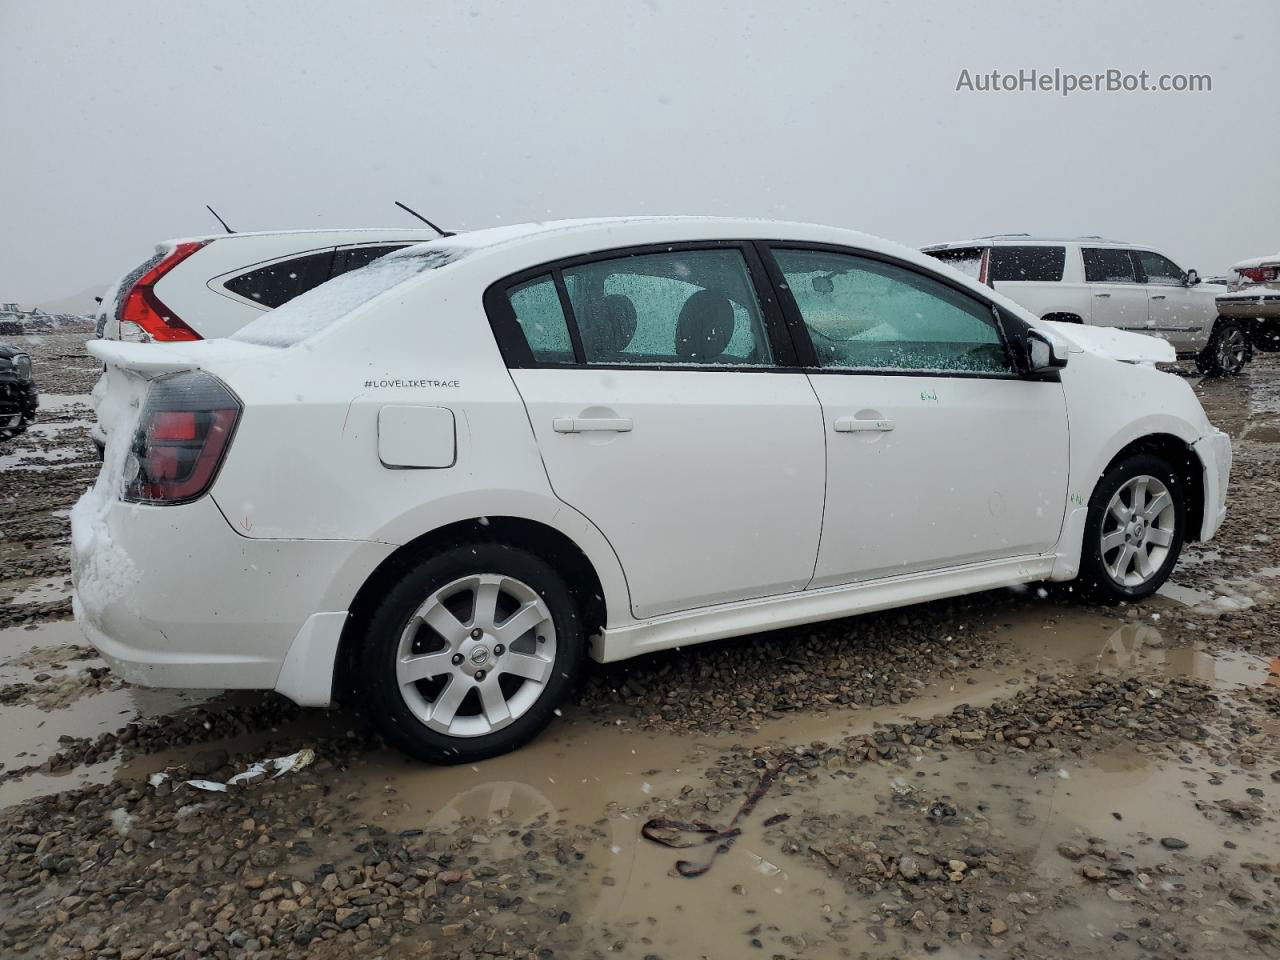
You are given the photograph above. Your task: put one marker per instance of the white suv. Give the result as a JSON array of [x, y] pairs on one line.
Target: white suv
[[1104, 283], [205, 287], [449, 477]]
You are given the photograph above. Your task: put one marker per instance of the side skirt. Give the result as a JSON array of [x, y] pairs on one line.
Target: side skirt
[[811, 606]]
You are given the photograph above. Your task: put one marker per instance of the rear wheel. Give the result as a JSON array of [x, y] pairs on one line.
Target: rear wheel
[[1227, 352], [470, 653], [1134, 530], [1266, 335]]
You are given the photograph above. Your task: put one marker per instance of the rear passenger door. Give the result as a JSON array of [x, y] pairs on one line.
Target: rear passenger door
[[1032, 276], [1118, 298], [665, 400]]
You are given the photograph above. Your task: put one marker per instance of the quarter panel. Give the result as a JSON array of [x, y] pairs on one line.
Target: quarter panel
[[305, 462]]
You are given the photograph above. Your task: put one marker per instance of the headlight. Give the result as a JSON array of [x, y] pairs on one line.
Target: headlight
[[22, 363]]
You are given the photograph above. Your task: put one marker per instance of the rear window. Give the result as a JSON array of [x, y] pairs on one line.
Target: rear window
[[1039, 264], [353, 258], [277, 284], [328, 303], [968, 260]]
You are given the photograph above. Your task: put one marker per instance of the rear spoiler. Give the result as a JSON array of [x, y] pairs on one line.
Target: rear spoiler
[[149, 359]]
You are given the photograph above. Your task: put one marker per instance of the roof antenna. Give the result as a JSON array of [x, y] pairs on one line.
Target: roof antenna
[[219, 219], [408, 209]]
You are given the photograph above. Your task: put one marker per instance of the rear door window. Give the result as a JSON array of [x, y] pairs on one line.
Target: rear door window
[[536, 304], [1103, 265], [1036, 264], [278, 283]]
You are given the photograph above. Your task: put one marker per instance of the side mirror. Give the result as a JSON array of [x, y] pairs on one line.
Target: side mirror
[[1192, 278], [1044, 353]]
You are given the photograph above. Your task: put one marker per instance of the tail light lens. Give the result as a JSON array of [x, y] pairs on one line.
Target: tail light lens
[[143, 316], [183, 436], [1258, 274]]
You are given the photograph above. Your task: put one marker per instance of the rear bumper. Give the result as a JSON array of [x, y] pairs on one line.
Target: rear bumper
[[1250, 306], [1214, 451], [174, 597]]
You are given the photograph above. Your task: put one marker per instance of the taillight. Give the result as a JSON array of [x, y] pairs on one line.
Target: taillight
[[1258, 274], [182, 438], [140, 306]]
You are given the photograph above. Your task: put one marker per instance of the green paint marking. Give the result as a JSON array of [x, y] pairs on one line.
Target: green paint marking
[[929, 396]]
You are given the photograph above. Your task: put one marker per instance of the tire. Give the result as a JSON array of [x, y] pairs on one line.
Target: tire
[[454, 712], [1266, 335], [1227, 352], [1104, 572]]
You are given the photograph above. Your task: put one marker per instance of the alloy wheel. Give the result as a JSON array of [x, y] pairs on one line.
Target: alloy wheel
[[476, 655], [1138, 531], [1232, 349]]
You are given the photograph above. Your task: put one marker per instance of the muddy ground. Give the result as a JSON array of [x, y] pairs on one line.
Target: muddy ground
[[1010, 774]]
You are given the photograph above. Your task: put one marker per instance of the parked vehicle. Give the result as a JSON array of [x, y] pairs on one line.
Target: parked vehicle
[[1254, 299], [448, 478], [18, 396], [211, 286], [1105, 283]]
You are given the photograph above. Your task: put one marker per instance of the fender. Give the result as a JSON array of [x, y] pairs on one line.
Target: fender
[[1085, 477], [431, 515]]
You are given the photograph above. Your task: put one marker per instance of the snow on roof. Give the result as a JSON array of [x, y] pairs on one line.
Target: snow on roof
[[1256, 262]]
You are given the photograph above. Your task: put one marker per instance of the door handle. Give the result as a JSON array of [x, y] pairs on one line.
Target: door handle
[[852, 425], [1102, 294], [592, 424], [1158, 296]]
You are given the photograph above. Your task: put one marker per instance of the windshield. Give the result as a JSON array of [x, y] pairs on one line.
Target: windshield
[[321, 307]]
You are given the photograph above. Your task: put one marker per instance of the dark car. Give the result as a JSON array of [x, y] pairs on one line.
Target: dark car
[[18, 398]]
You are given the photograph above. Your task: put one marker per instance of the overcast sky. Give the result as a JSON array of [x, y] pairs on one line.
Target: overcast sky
[[122, 119]]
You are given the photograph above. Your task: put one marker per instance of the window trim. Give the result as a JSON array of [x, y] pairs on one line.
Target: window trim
[[518, 355], [1010, 328]]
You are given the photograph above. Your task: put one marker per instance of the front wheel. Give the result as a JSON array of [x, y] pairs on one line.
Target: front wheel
[[1134, 530], [1227, 352], [470, 653]]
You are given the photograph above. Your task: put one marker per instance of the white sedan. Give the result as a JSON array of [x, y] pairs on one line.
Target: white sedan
[[446, 479]]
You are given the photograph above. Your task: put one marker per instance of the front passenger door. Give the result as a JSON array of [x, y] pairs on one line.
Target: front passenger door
[[938, 453], [1176, 312]]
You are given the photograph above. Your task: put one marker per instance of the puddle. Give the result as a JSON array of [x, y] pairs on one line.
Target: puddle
[[64, 401], [611, 779], [41, 591], [31, 733]]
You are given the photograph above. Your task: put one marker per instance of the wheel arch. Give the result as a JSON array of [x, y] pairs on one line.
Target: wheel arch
[[1062, 316], [541, 539], [1187, 468]]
